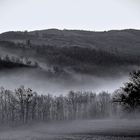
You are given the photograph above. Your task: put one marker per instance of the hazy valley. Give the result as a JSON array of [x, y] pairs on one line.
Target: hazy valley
[[70, 59]]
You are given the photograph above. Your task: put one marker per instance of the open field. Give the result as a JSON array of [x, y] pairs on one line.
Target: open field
[[75, 130]]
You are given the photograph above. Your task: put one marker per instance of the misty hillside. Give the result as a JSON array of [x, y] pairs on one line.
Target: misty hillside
[[76, 51]]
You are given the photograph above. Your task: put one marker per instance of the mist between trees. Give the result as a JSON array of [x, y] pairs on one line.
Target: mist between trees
[[23, 105]]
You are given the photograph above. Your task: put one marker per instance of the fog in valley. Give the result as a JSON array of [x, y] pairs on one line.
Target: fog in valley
[[39, 81], [53, 91], [76, 130], [69, 70]]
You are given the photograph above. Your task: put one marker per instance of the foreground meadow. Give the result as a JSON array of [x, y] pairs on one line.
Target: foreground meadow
[[75, 130]]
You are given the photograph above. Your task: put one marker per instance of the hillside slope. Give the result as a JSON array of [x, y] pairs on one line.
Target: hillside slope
[[124, 41], [61, 51]]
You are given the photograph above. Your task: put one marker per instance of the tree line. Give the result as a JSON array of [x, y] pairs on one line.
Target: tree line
[[18, 60], [24, 105]]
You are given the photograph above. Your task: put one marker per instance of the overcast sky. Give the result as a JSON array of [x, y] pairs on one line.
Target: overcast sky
[[69, 14]]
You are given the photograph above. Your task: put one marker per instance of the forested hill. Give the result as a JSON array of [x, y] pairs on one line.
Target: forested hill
[[76, 50], [124, 41]]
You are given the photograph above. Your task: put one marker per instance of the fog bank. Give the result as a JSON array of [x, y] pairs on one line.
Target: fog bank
[[43, 83]]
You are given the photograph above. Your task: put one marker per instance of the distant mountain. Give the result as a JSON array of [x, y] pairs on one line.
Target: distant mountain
[[124, 41], [76, 50]]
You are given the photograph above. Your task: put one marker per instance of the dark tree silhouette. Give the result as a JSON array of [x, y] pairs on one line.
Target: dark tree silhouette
[[129, 95], [28, 43]]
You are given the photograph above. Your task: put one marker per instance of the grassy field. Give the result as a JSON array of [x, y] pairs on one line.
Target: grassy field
[[75, 130]]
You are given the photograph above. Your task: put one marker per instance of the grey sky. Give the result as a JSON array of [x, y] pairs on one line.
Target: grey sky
[[69, 14]]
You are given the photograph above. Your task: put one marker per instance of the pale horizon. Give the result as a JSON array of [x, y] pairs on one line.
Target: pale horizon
[[70, 29], [91, 15]]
